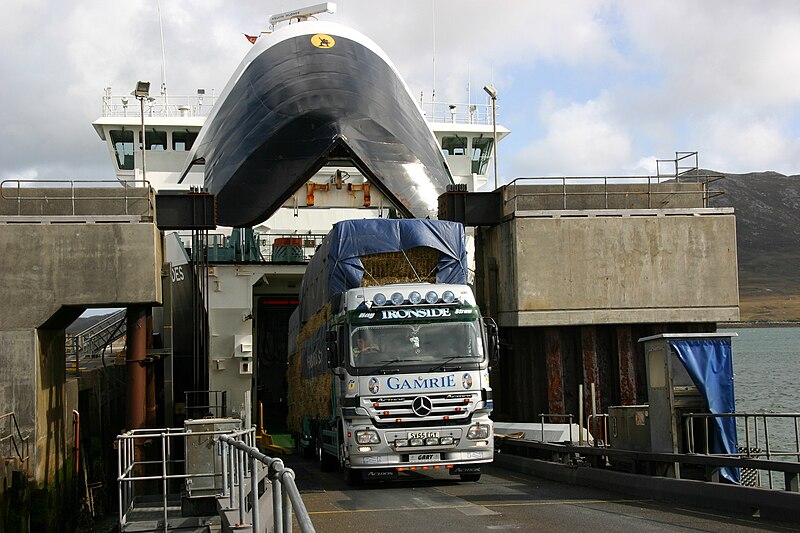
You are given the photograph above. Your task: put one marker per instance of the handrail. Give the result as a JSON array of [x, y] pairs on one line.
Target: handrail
[[611, 187], [754, 447], [232, 450], [22, 456], [550, 416], [195, 105], [141, 187], [234, 454]]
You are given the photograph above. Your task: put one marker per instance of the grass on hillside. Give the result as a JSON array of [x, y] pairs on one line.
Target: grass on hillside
[[766, 307]]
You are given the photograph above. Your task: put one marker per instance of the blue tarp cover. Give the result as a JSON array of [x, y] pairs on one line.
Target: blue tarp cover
[[353, 238], [336, 266], [710, 365]]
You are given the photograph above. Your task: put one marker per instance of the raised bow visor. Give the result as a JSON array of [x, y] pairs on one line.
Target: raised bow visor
[[299, 100]]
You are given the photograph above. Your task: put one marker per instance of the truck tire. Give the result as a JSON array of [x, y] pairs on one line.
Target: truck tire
[[470, 477], [327, 462], [353, 477]]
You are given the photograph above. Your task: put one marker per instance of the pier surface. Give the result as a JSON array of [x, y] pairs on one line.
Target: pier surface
[[503, 500]]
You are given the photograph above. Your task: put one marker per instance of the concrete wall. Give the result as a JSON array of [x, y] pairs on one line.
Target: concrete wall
[[51, 272], [594, 195], [47, 266], [610, 267]]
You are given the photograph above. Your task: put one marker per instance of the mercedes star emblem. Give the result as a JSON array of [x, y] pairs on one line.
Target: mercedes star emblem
[[422, 406]]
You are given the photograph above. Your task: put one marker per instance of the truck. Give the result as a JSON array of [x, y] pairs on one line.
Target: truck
[[389, 356]]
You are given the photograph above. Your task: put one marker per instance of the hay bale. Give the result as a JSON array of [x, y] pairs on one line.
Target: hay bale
[[416, 264], [310, 396]]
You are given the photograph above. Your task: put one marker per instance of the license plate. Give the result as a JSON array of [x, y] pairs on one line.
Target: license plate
[[424, 457], [422, 434]]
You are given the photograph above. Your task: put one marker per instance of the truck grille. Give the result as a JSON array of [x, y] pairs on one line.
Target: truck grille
[[389, 410]]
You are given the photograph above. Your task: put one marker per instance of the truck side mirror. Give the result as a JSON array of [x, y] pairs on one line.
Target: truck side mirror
[[331, 345], [493, 337]]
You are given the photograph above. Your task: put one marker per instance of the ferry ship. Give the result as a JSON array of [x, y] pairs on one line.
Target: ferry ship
[[375, 151]]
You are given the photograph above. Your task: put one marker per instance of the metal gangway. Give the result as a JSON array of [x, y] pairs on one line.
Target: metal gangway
[[158, 479], [91, 341]]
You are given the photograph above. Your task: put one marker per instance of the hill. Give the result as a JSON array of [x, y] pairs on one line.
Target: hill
[[767, 206]]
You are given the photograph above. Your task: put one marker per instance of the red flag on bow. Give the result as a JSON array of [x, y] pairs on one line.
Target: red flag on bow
[[251, 38]]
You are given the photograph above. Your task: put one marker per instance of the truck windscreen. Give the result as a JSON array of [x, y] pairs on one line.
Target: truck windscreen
[[415, 344]]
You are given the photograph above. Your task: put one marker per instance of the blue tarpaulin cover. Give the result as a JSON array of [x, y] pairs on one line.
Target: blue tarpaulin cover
[[710, 365], [336, 266]]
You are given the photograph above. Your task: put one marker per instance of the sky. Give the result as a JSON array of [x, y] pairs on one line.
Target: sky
[[587, 88]]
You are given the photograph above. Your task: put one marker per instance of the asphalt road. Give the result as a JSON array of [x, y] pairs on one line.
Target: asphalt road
[[502, 500]]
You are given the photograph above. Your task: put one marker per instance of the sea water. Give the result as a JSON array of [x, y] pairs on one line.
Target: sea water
[[766, 367]]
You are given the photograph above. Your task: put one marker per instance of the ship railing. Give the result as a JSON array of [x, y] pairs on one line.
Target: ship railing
[[759, 431], [457, 113], [13, 446], [263, 247], [92, 200], [611, 192], [240, 460], [195, 105]]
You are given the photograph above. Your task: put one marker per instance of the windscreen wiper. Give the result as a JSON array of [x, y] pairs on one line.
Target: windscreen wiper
[[388, 362], [441, 366]]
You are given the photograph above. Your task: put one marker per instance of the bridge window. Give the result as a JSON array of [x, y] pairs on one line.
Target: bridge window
[[156, 140], [481, 150], [182, 141], [454, 145], [122, 141]]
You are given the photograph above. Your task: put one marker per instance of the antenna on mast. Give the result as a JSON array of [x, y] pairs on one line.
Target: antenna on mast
[[163, 54]]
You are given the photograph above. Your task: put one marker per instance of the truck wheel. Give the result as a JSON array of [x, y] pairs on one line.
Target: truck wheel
[[470, 477], [353, 477], [327, 462]]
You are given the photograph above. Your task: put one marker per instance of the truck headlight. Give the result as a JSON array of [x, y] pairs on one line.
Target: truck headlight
[[367, 436], [478, 432], [446, 440]]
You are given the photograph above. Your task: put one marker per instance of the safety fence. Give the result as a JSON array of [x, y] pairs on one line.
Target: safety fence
[[13, 445]]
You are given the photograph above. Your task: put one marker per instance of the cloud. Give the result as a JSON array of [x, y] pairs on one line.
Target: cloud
[[745, 142], [580, 139], [628, 79]]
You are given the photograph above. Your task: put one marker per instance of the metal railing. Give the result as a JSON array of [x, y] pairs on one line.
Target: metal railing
[[285, 495], [600, 434], [266, 247], [12, 444], [457, 113], [64, 198], [758, 436], [132, 470], [195, 105], [557, 416], [91, 340], [603, 192], [206, 403]]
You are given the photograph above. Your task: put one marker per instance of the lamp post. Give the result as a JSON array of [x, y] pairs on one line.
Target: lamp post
[[142, 92], [492, 92]]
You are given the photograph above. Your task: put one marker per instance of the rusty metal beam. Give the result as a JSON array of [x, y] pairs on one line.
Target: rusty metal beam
[[136, 362], [591, 373], [627, 365], [555, 372]]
